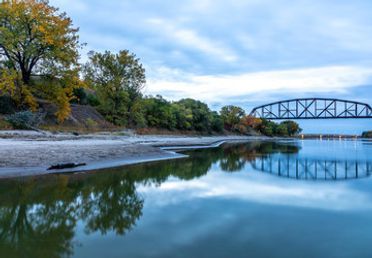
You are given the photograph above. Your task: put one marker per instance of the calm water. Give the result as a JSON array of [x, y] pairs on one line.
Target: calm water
[[259, 199]]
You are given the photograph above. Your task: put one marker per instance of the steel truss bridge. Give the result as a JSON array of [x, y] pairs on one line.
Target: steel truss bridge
[[291, 166], [313, 108]]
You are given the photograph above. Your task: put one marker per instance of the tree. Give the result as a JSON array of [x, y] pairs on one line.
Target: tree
[[118, 80], [251, 121], [281, 130], [231, 116], [36, 40], [184, 116], [292, 127], [159, 113], [216, 122], [200, 116], [268, 127]]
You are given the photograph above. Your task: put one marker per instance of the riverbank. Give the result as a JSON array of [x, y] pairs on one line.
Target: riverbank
[[28, 153]]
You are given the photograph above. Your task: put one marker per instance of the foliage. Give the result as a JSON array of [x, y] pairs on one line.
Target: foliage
[[79, 96], [281, 130], [231, 117], [90, 123], [159, 113], [12, 85], [285, 128], [92, 100], [4, 125], [367, 134], [36, 39], [292, 127], [23, 120], [118, 80], [7, 105], [267, 127], [251, 121], [186, 115], [216, 122], [201, 115]]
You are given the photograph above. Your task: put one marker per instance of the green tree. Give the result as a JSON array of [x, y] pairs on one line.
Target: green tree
[[37, 40], [231, 116], [159, 113], [184, 116], [281, 130], [200, 114], [267, 127], [292, 127], [216, 122], [118, 80]]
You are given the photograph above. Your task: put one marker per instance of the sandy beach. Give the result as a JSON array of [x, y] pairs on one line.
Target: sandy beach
[[26, 153]]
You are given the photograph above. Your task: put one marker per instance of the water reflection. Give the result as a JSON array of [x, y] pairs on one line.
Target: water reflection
[[312, 169], [43, 212], [46, 211]]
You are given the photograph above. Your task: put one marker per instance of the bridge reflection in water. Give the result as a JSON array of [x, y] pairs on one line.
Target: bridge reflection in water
[[292, 166]]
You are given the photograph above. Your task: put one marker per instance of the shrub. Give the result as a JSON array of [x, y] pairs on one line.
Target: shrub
[[91, 123], [23, 120], [7, 105], [4, 125], [92, 100], [80, 96]]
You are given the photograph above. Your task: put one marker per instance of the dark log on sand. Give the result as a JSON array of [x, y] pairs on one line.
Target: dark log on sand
[[66, 165]]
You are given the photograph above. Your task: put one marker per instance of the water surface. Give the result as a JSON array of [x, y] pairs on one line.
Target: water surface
[[258, 199]]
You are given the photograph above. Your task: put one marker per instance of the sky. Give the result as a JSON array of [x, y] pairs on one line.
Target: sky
[[240, 52]]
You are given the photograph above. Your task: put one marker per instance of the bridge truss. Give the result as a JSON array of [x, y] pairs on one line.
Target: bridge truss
[[313, 108]]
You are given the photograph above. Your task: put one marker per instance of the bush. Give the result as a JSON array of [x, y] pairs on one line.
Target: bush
[[23, 120], [80, 97], [7, 105], [90, 123], [4, 125], [92, 100]]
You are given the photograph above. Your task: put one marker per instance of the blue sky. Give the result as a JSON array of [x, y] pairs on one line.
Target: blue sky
[[241, 52]]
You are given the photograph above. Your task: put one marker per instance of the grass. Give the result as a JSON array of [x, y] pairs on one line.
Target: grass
[[4, 125], [76, 129]]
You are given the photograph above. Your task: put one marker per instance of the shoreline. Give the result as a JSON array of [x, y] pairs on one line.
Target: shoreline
[[27, 153]]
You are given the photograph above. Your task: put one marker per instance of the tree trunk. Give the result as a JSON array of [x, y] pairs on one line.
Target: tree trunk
[[26, 77]]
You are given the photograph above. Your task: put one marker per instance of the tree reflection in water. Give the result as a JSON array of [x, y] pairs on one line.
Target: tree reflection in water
[[39, 216]]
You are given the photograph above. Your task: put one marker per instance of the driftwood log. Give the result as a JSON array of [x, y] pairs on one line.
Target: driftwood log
[[66, 165]]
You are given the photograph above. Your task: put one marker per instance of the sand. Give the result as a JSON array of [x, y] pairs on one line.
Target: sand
[[28, 153]]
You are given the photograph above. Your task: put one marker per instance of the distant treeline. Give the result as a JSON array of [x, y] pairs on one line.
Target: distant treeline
[[367, 134], [39, 61]]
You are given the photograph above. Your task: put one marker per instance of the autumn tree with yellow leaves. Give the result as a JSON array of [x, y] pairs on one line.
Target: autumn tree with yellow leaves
[[38, 54]]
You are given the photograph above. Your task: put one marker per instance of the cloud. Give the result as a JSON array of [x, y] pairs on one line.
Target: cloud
[[214, 88], [260, 188], [191, 39], [236, 51]]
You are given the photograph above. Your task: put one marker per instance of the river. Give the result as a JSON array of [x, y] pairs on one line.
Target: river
[[288, 199]]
